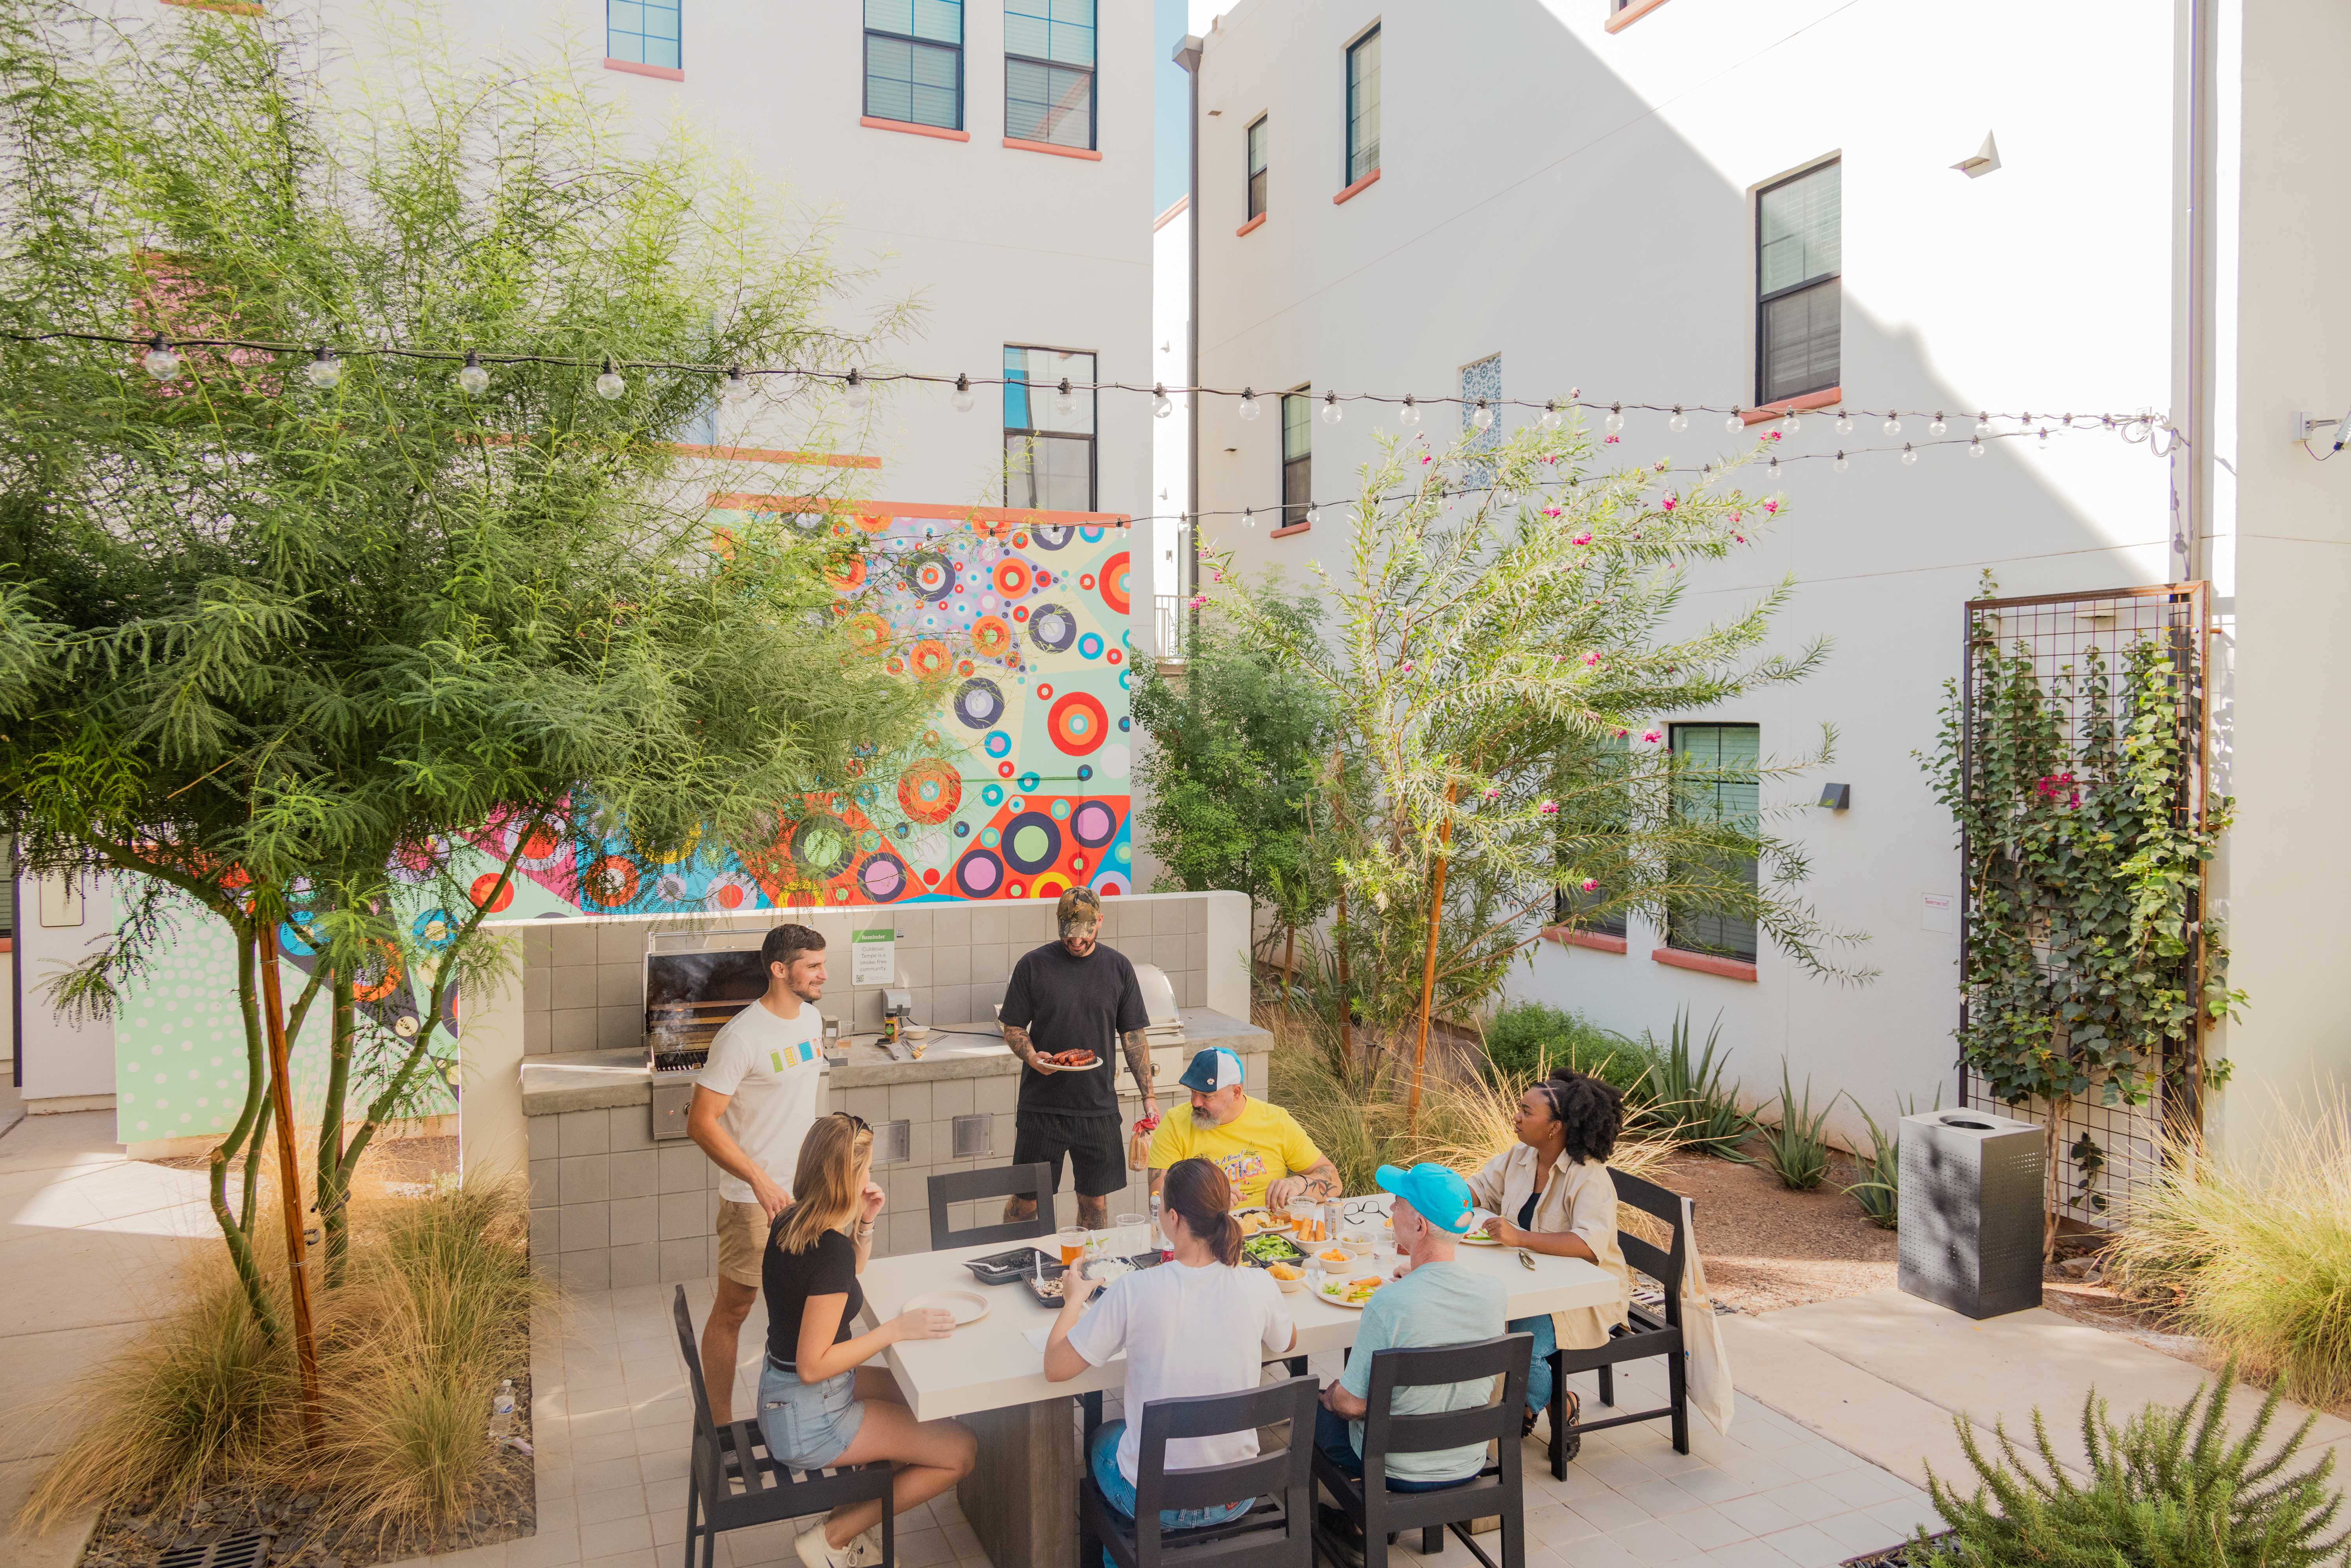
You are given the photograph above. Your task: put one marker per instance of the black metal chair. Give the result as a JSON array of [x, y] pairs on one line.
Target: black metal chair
[[1034, 1182], [734, 1482], [1279, 1530], [1643, 1333], [1498, 1488]]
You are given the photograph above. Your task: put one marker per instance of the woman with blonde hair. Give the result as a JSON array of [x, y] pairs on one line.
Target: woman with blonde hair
[[820, 1405]]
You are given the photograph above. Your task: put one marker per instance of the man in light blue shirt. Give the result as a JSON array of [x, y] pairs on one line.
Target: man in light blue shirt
[[1436, 1302]]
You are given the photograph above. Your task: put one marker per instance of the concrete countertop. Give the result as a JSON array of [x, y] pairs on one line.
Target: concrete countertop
[[600, 1079]]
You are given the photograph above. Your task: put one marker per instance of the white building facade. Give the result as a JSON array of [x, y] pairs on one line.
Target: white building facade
[[1697, 202]]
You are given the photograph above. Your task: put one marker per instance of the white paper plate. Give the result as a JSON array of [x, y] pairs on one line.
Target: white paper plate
[[966, 1307]]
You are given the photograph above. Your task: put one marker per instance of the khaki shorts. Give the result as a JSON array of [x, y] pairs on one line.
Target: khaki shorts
[[742, 1237]]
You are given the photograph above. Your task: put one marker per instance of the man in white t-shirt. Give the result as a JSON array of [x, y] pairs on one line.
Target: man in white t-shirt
[[759, 1092]]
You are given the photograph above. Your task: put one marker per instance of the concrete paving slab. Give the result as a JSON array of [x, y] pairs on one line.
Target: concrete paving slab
[[1857, 1410]]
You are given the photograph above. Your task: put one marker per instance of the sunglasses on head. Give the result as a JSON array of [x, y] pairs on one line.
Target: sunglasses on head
[[860, 1122]]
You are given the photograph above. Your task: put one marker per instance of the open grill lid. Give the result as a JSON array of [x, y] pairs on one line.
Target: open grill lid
[[694, 982]]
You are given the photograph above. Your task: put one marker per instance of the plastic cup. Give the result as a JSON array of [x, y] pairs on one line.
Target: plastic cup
[[1072, 1241]]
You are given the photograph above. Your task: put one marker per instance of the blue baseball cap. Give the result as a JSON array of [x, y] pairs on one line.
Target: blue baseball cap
[[1437, 1195], [1211, 1069]]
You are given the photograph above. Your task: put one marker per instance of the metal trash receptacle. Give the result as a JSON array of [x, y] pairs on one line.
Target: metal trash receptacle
[[1971, 1208]]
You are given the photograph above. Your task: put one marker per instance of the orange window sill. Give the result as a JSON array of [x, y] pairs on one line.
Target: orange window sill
[[1704, 964], [773, 455], [911, 129], [1632, 13], [659, 73], [1827, 397], [1287, 530], [1088, 154], [1569, 937], [1352, 192], [1248, 227]]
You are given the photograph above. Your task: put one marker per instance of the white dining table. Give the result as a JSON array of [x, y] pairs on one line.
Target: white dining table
[[1021, 1499]]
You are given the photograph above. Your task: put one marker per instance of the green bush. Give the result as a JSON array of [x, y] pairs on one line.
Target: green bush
[[1879, 1190], [1686, 1099], [1528, 1040], [1797, 1147], [2168, 1490]]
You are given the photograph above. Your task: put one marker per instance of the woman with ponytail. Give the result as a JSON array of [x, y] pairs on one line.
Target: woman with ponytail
[[1199, 1323], [1552, 1194]]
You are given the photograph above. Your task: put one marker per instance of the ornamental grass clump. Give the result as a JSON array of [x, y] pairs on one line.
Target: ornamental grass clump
[[2168, 1489], [2252, 1252], [1687, 1103]]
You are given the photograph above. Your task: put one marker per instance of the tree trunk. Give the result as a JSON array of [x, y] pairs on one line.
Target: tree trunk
[[289, 1172], [334, 1214], [1346, 998], [1289, 965], [240, 1245], [252, 1173], [1428, 963]]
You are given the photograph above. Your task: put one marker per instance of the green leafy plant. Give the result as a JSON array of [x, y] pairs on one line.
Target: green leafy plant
[[1487, 653], [267, 635], [1796, 1146], [2170, 1489], [2089, 972], [1528, 1040], [1688, 1102], [2251, 1251], [1879, 1190]]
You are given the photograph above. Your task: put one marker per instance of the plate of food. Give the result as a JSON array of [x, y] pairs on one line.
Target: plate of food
[[1257, 1221], [966, 1307], [1350, 1292], [1271, 1247], [1289, 1276], [1341, 1264], [1079, 1061], [1481, 1229]]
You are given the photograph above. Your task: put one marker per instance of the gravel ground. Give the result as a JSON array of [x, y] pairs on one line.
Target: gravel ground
[[1766, 1246]]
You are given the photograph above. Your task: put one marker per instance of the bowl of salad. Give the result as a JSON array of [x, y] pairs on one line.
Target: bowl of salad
[[1268, 1248]]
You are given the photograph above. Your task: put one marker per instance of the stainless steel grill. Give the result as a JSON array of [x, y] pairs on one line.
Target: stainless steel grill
[[694, 982]]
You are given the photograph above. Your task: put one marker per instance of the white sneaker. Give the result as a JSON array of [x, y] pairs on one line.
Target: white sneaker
[[865, 1552], [816, 1553]]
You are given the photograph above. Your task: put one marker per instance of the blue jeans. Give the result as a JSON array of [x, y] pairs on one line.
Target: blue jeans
[[1102, 1458], [1538, 1370], [1337, 1445], [808, 1426]]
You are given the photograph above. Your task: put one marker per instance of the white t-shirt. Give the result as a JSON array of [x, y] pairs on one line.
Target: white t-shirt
[[774, 1072], [1185, 1330]]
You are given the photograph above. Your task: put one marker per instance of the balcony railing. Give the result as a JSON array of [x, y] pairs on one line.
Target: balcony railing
[[1171, 622]]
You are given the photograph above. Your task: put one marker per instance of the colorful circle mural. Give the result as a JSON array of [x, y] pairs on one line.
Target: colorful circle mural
[[1013, 577], [990, 637], [1078, 723], [1113, 584], [882, 877], [929, 790], [979, 702], [931, 575], [1093, 825], [1053, 628], [979, 874]]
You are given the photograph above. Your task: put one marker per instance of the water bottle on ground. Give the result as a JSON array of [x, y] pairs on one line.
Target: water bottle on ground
[[502, 1412]]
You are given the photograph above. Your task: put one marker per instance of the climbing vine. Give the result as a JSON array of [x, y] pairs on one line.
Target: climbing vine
[[2089, 973]]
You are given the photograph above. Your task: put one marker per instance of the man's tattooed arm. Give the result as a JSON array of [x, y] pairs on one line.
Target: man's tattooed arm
[[1023, 1047], [1138, 1061]]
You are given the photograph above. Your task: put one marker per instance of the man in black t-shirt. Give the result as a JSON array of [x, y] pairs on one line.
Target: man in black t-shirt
[[1075, 995]]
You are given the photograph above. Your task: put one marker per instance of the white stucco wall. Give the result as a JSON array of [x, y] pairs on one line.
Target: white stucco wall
[[1170, 331]]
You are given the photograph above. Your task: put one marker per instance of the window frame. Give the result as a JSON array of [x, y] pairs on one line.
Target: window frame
[[1674, 935], [1350, 176], [1253, 168], [1293, 514], [865, 69], [1091, 436], [623, 62], [1093, 86], [1764, 396]]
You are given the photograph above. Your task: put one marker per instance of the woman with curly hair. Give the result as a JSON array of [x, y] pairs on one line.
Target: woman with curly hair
[[1552, 1194]]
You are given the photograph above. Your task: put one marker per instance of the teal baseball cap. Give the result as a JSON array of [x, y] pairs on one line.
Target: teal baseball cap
[[1437, 1195], [1211, 1069]]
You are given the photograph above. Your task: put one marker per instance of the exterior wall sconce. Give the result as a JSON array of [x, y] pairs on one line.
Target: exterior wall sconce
[[1837, 797]]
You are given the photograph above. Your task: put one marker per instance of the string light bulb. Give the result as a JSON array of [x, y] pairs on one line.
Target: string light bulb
[[1248, 516], [1938, 425], [1844, 423], [1314, 516], [1161, 405], [1736, 422], [1790, 422], [610, 383], [1549, 418], [1250, 409], [1065, 402], [962, 397], [1331, 413], [1407, 411], [1482, 417], [1893, 425], [325, 368], [854, 389], [1842, 462], [1680, 421], [1615, 422], [738, 386], [1909, 454], [162, 360], [473, 380], [1772, 472], [1976, 447]]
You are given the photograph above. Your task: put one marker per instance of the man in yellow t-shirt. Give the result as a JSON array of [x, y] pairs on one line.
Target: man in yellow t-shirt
[[1260, 1146]]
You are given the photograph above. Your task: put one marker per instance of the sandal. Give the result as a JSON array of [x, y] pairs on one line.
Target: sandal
[[1574, 1439]]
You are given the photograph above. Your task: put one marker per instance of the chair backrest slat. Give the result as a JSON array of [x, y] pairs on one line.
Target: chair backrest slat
[[1287, 1475], [703, 1426], [1034, 1182], [1662, 1264], [1507, 1356]]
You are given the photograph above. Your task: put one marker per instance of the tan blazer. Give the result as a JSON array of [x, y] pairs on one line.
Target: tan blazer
[[1579, 1197]]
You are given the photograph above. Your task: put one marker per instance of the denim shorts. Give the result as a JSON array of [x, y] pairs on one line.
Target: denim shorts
[[808, 1426]]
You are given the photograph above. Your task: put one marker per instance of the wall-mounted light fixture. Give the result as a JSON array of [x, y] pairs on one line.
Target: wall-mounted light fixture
[[1837, 797], [1985, 160]]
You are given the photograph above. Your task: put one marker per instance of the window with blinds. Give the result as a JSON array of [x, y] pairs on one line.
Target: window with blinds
[[1049, 440], [643, 33], [1363, 106], [1799, 247], [1257, 167], [1297, 457], [1049, 72], [1593, 830], [1716, 767], [913, 62]]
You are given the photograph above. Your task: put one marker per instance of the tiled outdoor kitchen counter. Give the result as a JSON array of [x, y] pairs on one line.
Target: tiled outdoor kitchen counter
[[611, 1207]]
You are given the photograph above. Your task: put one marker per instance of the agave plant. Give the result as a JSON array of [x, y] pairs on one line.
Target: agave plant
[[1797, 1147]]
